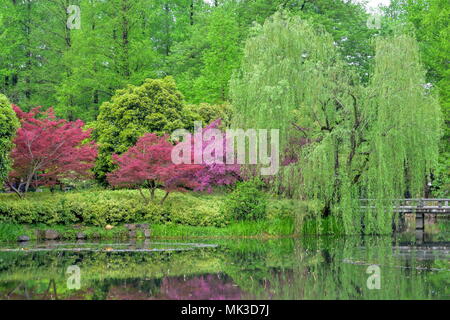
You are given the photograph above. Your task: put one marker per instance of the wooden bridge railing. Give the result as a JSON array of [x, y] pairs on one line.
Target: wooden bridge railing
[[412, 205], [419, 207]]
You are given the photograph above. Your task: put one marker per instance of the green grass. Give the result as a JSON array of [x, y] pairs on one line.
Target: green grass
[[263, 228], [266, 228], [10, 231]]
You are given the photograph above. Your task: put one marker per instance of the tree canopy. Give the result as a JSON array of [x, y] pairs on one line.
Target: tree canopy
[[156, 106], [349, 140], [45, 62], [48, 149]]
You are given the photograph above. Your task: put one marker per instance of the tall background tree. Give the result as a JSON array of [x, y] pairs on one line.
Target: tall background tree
[[45, 62], [429, 20]]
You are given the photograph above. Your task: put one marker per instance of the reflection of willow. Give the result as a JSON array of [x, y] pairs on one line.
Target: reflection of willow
[[330, 268]]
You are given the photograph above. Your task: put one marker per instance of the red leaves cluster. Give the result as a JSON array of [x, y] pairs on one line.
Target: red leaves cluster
[[149, 164], [49, 149]]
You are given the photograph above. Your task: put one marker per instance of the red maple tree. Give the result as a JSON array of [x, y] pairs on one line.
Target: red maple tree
[[49, 149], [148, 165]]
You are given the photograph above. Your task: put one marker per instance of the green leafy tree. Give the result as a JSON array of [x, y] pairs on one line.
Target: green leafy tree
[[221, 58], [342, 141], [207, 113], [113, 48], [203, 63], [430, 22], [199, 43], [8, 126], [156, 106], [34, 37]]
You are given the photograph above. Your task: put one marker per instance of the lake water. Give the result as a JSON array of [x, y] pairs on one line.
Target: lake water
[[304, 268]]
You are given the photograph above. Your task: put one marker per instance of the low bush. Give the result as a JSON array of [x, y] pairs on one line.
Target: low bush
[[280, 209], [246, 202], [202, 214], [99, 207]]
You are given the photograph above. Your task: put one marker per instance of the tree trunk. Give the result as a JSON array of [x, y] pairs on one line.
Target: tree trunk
[[165, 197]]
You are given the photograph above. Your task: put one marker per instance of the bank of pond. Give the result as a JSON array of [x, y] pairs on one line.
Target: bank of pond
[[96, 214]]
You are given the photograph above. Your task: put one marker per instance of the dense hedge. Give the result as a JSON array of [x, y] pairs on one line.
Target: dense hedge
[[101, 207], [110, 207]]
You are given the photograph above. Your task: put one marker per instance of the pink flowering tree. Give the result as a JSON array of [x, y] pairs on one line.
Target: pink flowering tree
[[217, 174], [49, 149]]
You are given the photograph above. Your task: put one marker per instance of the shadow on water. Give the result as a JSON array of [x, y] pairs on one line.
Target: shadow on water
[[304, 268]]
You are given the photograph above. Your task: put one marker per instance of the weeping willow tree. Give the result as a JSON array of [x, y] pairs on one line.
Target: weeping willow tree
[[340, 141], [405, 127]]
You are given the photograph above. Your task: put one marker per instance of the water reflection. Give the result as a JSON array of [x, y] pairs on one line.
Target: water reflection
[[306, 268]]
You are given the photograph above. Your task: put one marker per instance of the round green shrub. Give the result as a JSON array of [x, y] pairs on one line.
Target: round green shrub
[[156, 106], [246, 202]]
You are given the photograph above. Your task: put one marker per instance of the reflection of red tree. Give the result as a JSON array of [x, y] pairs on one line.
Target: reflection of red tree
[[208, 287]]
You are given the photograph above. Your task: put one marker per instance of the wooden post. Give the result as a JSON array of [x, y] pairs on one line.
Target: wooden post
[[420, 236], [420, 221]]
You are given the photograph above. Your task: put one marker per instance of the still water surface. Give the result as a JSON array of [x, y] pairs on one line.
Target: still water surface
[[304, 268]]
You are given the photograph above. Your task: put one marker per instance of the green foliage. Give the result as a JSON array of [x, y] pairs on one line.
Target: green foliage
[[113, 48], [281, 209], [210, 112], [406, 129], [8, 126], [32, 42], [120, 42], [195, 212], [378, 141], [246, 202], [11, 231], [441, 183], [98, 208], [203, 62], [257, 229], [156, 106], [429, 19], [221, 57], [346, 22]]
